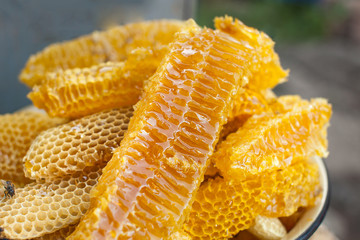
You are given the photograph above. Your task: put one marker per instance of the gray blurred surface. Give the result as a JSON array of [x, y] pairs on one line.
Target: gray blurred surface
[[28, 26], [332, 70]]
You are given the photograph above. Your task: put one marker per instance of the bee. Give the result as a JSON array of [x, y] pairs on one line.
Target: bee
[[9, 189]]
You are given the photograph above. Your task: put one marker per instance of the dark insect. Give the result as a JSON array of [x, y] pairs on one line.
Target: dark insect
[[1, 230], [9, 189]]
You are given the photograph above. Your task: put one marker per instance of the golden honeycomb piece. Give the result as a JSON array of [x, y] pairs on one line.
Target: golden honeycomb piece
[[73, 89], [147, 187], [114, 44], [42, 207], [222, 208], [80, 143], [266, 71], [17, 131], [274, 141]]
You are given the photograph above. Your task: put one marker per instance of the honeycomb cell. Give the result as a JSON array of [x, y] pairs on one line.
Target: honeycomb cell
[[17, 131], [44, 207], [115, 45], [71, 147], [222, 208], [274, 141], [266, 71]]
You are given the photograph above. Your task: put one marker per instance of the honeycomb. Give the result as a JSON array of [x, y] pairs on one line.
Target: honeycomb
[[274, 141], [80, 143], [44, 207], [173, 132], [265, 68], [222, 208], [113, 45], [17, 131]]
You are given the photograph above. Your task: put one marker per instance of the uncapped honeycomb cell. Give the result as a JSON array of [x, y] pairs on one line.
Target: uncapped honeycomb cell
[[17, 131], [177, 123], [222, 208], [71, 147], [115, 45], [274, 141], [44, 207], [266, 71]]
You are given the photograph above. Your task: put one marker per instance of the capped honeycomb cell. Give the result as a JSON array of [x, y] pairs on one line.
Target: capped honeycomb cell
[[114, 44], [265, 65], [222, 208], [45, 207], [17, 131], [71, 147], [274, 141], [177, 123]]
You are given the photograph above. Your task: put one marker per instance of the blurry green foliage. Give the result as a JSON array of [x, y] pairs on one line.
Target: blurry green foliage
[[284, 21]]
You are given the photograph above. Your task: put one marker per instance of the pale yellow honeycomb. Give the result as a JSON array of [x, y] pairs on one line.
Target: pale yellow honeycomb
[[45, 207], [222, 208], [80, 143], [17, 131]]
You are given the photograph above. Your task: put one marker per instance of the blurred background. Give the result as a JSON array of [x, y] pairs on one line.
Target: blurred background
[[318, 40]]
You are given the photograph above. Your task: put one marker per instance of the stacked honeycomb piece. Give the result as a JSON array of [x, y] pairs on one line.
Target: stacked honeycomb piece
[[81, 143], [17, 131]]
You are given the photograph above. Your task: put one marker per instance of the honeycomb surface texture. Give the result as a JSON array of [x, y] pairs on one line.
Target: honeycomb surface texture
[[265, 68], [274, 142], [221, 208], [45, 207], [114, 44], [73, 146], [174, 130], [17, 131]]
